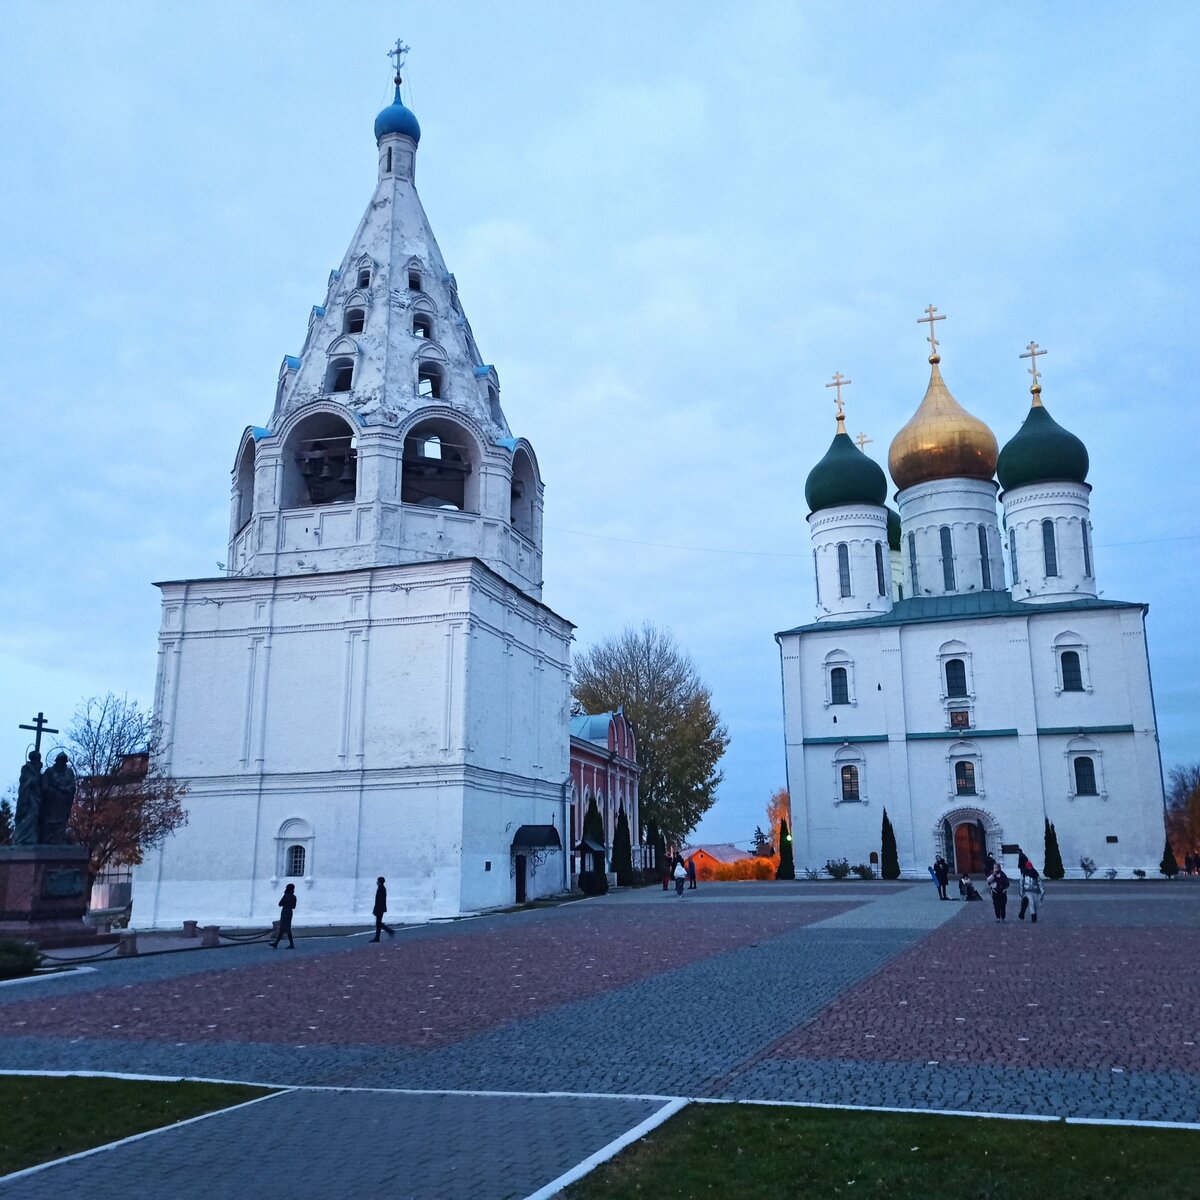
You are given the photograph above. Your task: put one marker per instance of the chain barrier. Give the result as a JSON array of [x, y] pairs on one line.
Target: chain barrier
[[81, 958], [247, 937]]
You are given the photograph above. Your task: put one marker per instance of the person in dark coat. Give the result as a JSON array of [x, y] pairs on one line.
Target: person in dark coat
[[691, 870], [287, 906], [941, 874], [379, 909], [997, 883]]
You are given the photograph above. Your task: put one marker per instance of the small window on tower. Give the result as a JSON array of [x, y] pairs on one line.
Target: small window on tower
[[388, 168], [843, 558], [414, 281], [340, 376], [356, 319], [423, 325], [985, 561], [947, 559], [429, 381], [364, 277], [1049, 549]]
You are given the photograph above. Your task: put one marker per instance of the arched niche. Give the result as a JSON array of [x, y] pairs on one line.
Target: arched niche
[[441, 466], [244, 484], [524, 493], [320, 462]]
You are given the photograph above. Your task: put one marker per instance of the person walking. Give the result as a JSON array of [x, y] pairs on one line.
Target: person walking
[[1033, 892], [379, 909], [287, 906], [997, 883], [691, 870], [680, 876]]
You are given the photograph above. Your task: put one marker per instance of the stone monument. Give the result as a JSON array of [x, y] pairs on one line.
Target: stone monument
[[44, 881]]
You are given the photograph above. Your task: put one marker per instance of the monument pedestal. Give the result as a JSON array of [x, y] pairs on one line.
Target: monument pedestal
[[44, 894]]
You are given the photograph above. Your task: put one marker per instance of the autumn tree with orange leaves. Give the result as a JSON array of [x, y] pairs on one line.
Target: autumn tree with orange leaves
[[779, 808], [124, 805]]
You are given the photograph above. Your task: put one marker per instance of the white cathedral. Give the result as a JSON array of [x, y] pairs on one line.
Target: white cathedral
[[374, 686], [972, 708]]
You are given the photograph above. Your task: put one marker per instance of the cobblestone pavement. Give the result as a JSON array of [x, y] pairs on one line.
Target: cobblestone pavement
[[862, 994]]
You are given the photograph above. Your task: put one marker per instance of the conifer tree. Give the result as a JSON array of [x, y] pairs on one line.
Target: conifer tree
[[6, 822], [1054, 863], [622, 851], [1168, 867], [787, 865], [889, 859]]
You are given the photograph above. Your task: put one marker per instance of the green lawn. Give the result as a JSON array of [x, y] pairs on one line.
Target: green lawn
[[750, 1151], [45, 1118]]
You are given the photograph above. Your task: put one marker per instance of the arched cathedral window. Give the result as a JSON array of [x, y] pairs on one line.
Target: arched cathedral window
[[985, 562], [956, 677], [843, 557], [1085, 776], [947, 558], [880, 575], [1049, 549]]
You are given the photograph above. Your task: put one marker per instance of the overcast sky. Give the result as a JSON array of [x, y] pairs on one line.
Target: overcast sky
[[670, 224]]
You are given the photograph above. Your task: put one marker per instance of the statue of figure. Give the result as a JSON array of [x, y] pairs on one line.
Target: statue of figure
[[58, 794], [29, 802]]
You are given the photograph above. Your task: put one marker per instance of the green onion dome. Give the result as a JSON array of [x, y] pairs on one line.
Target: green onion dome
[[844, 476], [1041, 451], [893, 520]]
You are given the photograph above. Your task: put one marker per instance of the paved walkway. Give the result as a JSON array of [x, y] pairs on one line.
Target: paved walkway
[[873, 994]]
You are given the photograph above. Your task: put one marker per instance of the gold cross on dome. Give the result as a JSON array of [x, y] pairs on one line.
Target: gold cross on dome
[[1033, 352], [929, 319], [839, 383], [862, 440]]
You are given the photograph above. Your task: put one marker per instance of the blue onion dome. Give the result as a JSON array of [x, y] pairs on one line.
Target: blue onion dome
[[1041, 451], [893, 529], [397, 119], [844, 476]]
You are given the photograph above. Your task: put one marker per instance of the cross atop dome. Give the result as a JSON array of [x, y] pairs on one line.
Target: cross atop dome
[[928, 319], [397, 54], [1033, 351], [839, 383]]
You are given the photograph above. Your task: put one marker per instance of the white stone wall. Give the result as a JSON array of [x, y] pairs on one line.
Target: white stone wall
[[409, 718], [1024, 728], [1067, 506]]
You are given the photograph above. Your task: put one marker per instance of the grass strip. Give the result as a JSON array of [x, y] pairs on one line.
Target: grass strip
[[751, 1151], [46, 1118]]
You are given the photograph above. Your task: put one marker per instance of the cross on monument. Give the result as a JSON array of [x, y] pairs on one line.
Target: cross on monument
[[1034, 351], [929, 319], [396, 54], [839, 383], [39, 726], [862, 440]]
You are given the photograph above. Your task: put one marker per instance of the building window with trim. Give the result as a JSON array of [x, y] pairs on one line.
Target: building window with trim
[[1049, 549], [956, 677], [429, 381], [880, 576], [1087, 549], [947, 559], [340, 376], [985, 562], [850, 789], [912, 564], [423, 325], [1012, 555], [964, 778], [1072, 671], [843, 553], [295, 861], [356, 319], [839, 686], [1085, 776], [414, 279], [364, 277]]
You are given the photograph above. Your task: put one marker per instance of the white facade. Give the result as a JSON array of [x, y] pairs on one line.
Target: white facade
[[374, 688], [972, 713]]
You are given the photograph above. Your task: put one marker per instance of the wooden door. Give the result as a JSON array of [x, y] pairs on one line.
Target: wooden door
[[968, 849]]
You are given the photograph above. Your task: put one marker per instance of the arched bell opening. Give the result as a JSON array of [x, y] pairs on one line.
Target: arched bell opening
[[441, 466], [244, 486], [524, 491], [320, 463]]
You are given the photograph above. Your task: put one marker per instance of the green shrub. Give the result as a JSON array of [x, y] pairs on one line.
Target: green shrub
[[1138, 873], [1168, 867], [863, 871], [18, 958], [889, 859], [1111, 873], [593, 883], [1054, 864], [809, 873], [839, 868], [787, 864]]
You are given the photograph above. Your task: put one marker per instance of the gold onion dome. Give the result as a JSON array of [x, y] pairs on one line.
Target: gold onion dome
[[941, 440]]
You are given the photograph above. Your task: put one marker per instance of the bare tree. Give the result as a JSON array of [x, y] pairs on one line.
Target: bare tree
[[680, 738], [1183, 807], [124, 805]]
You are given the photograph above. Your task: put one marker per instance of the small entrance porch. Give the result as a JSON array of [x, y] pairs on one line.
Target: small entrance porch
[[966, 837]]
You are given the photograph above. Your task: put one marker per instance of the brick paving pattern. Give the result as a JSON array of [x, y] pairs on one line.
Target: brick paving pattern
[[807, 992]]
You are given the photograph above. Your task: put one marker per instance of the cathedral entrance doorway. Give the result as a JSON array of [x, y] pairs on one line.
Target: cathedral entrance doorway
[[969, 848]]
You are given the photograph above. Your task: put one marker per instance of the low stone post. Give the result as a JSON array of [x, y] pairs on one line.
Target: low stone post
[[210, 935], [126, 944], [190, 929]]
